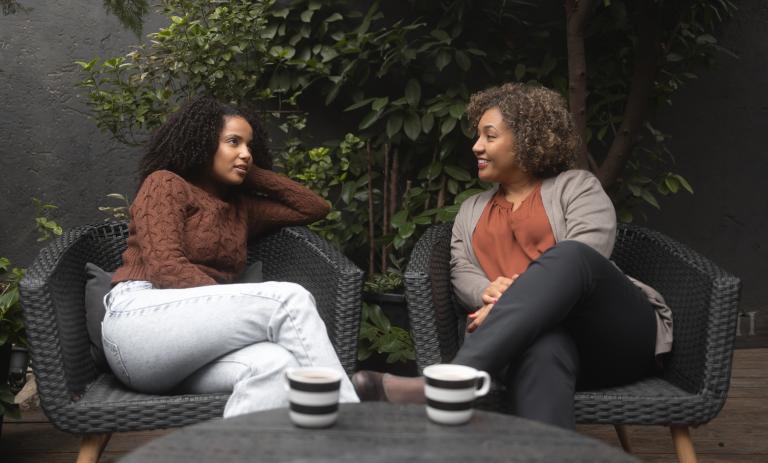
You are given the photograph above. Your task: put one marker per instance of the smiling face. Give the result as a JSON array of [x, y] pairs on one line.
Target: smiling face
[[233, 157], [495, 149]]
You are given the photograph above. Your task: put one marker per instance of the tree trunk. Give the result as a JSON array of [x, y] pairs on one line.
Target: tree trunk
[[640, 92], [386, 193], [393, 181], [371, 233], [577, 12]]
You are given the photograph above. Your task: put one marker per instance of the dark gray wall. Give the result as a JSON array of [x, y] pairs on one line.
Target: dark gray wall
[[50, 149], [719, 125]]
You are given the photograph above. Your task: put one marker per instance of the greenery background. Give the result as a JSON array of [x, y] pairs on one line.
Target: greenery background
[[48, 143], [405, 69]]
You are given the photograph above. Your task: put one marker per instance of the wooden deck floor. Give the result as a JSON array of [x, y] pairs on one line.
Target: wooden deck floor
[[738, 434]]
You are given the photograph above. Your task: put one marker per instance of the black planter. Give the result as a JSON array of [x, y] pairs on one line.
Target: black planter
[[394, 307], [17, 368]]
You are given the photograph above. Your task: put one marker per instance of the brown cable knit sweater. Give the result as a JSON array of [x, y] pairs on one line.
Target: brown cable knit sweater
[[181, 236]]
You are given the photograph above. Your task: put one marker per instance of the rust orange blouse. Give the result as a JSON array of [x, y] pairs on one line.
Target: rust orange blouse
[[505, 241]]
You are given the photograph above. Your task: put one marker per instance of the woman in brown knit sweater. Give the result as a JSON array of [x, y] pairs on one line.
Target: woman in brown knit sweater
[[175, 320]]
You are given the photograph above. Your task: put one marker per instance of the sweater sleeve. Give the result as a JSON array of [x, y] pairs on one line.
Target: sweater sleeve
[[283, 202], [589, 214], [468, 280], [158, 215]]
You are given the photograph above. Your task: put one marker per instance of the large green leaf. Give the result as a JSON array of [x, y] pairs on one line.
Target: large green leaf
[[407, 230], [649, 198], [458, 173], [394, 124], [399, 219], [427, 122], [370, 119], [412, 125], [442, 60], [359, 104], [378, 319], [462, 60], [456, 110], [447, 126], [466, 194], [413, 92], [379, 103], [684, 183]]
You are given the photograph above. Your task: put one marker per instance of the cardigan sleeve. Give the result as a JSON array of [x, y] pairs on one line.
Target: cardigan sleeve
[[588, 211], [158, 215], [281, 202], [468, 280]]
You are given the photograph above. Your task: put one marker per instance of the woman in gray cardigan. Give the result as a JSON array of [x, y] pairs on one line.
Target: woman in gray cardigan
[[529, 261]]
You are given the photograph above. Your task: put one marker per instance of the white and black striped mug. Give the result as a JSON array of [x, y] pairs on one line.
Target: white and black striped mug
[[313, 396], [451, 391]]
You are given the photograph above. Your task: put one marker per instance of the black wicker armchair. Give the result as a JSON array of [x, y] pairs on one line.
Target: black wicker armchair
[[78, 398], [694, 384]]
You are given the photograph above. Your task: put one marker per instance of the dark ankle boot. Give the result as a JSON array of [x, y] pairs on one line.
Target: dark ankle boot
[[369, 386]]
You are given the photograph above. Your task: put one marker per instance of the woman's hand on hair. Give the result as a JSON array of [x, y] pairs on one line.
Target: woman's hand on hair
[[497, 287], [478, 317]]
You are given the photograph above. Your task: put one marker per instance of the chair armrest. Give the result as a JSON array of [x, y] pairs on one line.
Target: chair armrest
[[298, 255], [432, 314], [704, 302], [52, 300]]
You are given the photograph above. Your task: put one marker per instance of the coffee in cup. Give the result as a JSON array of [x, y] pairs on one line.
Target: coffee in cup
[[451, 391], [313, 396]]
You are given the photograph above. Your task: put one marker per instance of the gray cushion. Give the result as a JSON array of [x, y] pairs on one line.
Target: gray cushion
[[97, 286], [252, 274]]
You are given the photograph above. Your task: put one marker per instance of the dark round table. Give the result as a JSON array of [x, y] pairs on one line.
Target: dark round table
[[375, 432]]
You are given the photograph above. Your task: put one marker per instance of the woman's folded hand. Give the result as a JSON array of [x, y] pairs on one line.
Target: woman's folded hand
[[478, 317], [497, 287]]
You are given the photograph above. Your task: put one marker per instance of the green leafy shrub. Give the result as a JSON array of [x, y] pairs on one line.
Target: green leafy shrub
[[11, 325], [400, 74], [11, 321], [395, 76]]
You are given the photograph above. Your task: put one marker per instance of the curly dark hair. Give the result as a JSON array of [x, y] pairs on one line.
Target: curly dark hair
[[546, 137], [187, 142]]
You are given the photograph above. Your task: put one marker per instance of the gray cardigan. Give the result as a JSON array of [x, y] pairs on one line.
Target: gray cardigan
[[578, 209]]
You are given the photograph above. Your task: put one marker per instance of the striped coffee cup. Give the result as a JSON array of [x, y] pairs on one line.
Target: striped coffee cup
[[313, 394], [451, 391]]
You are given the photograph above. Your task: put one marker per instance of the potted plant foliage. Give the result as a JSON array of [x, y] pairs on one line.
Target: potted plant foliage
[[13, 340], [385, 340], [11, 332]]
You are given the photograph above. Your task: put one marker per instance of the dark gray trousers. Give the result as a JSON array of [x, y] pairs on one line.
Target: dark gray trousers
[[571, 317]]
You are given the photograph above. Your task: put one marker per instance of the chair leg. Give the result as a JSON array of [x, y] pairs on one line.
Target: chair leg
[[683, 444], [621, 432], [91, 447]]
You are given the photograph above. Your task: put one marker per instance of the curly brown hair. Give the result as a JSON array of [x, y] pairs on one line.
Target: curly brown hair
[[187, 142], [546, 137]]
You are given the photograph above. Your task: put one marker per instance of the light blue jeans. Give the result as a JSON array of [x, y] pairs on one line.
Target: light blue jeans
[[236, 338]]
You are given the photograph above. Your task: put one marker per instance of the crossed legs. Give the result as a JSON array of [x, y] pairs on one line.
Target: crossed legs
[[219, 338]]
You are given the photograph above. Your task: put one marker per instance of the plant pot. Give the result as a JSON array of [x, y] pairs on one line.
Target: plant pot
[[393, 305], [17, 368]]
